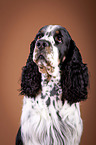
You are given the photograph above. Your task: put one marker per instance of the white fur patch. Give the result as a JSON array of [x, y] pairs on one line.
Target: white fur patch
[[40, 125]]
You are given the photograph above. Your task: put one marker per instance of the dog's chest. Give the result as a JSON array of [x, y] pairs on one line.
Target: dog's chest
[[42, 125], [38, 120]]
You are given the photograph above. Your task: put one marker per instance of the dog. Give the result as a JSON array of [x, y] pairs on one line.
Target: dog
[[54, 81]]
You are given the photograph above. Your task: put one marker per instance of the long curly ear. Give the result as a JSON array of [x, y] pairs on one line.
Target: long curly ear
[[74, 76], [31, 78]]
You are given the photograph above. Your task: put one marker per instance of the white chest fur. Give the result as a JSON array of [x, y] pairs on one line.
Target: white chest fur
[[42, 125]]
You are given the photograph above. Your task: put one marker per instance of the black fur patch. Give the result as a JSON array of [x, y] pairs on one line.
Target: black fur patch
[[54, 91], [48, 102]]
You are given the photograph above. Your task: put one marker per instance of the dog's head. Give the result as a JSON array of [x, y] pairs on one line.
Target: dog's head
[[51, 48], [54, 48]]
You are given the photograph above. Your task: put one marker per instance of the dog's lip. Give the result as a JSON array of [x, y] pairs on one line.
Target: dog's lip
[[41, 56]]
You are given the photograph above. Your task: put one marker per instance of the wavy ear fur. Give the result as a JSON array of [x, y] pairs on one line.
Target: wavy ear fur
[[74, 76], [31, 78]]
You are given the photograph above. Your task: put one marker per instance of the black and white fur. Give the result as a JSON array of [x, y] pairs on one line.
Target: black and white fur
[[54, 81]]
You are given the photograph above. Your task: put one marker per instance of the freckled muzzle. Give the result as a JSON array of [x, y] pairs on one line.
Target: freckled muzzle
[[42, 50], [42, 55]]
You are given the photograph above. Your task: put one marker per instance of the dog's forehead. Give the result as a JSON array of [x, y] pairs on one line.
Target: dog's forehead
[[50, 29]]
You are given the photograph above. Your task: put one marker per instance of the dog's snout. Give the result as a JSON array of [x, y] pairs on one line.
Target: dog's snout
[[41, 44]]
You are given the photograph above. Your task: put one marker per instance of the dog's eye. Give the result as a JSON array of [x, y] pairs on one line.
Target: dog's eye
[[58, 38], [39, 36]]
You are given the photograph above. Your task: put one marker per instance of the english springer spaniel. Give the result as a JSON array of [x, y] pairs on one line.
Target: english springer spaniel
[[53, 83]]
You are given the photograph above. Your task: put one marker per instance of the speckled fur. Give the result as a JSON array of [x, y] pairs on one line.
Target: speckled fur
[[53, 124], [47, 121], [54, 81]]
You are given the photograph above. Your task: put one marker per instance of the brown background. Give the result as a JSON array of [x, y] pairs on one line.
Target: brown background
[[20, 21]]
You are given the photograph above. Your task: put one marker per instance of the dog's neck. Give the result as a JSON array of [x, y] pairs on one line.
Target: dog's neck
[[51, 87]]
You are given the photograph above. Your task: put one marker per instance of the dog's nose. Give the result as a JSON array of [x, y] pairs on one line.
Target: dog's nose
[[41, 44]]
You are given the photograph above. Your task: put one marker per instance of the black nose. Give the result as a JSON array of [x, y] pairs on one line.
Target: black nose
[[41, 44]]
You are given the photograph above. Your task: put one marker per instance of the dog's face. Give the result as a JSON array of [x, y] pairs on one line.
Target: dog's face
[[51, 48]]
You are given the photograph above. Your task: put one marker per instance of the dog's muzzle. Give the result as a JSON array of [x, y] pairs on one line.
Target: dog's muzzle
[[42, 49], [42, 55]]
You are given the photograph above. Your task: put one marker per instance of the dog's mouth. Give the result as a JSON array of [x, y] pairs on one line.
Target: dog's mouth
[[43, 64], [41, 57]]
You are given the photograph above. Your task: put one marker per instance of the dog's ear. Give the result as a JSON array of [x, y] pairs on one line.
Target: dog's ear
[[74, 76], [31, 78]]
